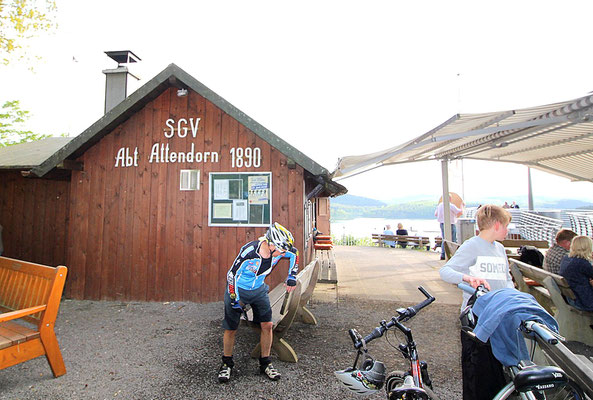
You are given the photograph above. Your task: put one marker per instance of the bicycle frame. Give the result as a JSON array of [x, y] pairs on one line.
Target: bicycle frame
[[410, 352]]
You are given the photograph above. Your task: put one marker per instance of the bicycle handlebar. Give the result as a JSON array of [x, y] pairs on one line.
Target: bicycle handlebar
[[466, 288], [404, 315], [541, 331]]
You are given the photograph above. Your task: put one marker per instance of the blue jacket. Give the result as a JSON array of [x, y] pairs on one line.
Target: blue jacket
[[500, 314], [249, 269], [577, 272]]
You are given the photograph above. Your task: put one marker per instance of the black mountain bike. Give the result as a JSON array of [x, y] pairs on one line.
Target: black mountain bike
[[368, 376]]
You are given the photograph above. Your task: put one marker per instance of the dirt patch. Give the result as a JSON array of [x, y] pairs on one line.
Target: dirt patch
[[172, 351]]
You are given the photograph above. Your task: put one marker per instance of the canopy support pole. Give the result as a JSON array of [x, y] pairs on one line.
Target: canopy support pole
[[529, 190], [446, 206]]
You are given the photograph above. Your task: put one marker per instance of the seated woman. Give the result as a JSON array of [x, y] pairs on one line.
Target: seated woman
[[401, 231], [577, 269]]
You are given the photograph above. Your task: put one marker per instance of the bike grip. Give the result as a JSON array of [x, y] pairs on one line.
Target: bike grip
[[544, 333], [423, 304], [376, 333], [353, 335], [424, 292], [466, 288]]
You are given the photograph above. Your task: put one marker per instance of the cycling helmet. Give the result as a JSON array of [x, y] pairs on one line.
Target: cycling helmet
[[366, 380], [280, 237]]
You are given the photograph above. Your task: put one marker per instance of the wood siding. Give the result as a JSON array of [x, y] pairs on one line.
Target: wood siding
[[34, 217], [135, 236]]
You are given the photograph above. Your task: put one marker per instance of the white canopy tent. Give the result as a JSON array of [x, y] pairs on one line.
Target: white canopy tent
[[556, 138]]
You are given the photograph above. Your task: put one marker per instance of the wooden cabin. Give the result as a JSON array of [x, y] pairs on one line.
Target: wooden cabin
[[153, 201]]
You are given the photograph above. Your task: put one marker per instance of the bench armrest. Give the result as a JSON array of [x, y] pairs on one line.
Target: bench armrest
[[8, 316]]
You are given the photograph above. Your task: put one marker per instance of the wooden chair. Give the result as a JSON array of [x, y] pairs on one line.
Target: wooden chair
[[30, 293]]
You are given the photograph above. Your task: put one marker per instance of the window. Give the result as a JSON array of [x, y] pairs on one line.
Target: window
[[190, 179]]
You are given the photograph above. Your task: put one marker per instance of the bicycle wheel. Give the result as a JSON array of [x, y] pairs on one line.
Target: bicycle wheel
[[395, 379], [571, 391]]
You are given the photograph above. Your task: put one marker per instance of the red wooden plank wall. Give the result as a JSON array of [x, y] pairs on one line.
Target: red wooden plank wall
[[33, 213], [135, 236]]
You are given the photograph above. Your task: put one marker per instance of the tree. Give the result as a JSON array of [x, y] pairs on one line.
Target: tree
[[11, 117], [21, 20]]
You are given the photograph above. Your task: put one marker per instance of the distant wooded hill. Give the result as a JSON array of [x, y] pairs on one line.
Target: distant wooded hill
[[350, 207]]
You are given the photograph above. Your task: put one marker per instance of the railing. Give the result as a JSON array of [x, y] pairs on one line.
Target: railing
[[529, 225], [581, 222], [537, 227]]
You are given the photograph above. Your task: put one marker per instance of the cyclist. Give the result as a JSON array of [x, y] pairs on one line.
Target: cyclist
[[245, 285], [481, 260]]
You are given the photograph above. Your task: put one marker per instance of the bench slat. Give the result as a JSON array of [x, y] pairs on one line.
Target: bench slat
[[540, 244], [15, 333], [30, 292]]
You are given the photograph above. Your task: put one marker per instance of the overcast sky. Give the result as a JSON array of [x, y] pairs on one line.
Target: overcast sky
[[332, 78]]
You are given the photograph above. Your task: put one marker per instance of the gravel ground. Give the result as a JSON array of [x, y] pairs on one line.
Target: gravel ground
[[172, 351]]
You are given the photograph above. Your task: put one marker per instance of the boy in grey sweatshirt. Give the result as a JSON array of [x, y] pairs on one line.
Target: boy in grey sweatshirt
[[481, 260]]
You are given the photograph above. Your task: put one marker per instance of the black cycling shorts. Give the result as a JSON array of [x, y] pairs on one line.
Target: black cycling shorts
[[259, 301]]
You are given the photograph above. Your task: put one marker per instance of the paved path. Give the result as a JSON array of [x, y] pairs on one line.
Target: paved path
[[380, 273]]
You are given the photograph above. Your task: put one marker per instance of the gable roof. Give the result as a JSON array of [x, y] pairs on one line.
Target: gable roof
[[172, 76], [30, 154]]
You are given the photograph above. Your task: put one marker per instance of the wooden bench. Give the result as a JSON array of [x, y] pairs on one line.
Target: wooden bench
[[29, 300], [438, 242], [327, 261], [574, 324], [516, 243], [415, 241], [450, 248], [578, 367], [285, 307], [308, 278]]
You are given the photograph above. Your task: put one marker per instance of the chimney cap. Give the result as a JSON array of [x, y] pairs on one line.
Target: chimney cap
[[123, 56]]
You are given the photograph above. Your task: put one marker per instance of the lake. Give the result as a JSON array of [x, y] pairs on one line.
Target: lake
[[364, 227]]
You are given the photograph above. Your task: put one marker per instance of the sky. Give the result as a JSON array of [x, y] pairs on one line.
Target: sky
[[332, 78]]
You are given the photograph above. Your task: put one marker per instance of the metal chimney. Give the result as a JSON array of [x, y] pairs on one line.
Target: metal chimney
[[116, 80]]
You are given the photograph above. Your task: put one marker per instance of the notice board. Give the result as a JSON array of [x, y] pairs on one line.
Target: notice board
[[240, 199]]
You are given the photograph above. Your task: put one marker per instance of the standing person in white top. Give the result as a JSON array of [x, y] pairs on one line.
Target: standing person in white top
[[439, 213], [481, 260]]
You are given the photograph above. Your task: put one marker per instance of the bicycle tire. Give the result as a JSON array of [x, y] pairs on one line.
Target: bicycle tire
[[393, 380], [396, 378], [570, 391]]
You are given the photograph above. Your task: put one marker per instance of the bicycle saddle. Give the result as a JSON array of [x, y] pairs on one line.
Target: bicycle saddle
[[539, 378]]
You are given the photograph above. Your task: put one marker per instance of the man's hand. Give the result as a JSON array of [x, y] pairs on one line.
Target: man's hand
[[236, 306], [475, 282], [290, 283]]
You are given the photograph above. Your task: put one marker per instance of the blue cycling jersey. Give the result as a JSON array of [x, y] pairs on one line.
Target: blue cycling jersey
[[249, 269]]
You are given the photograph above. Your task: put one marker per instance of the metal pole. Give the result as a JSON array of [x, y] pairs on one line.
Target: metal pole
[[446, 207], [529, 190]]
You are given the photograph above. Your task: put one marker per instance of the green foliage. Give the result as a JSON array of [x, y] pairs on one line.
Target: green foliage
[[21, 20], [11, 120]]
